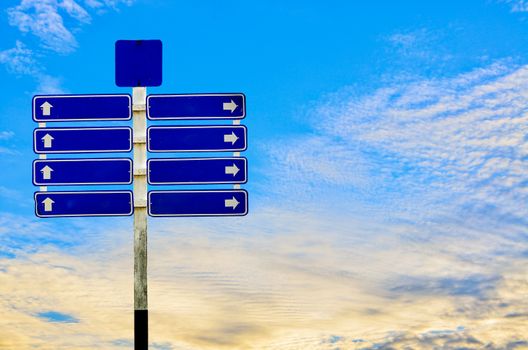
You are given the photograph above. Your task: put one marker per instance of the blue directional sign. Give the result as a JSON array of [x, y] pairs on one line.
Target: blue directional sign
[[64, 108], [82, 140], [193, 171], [207, 138], [196, 106], [198, 203], [93, 203], [106, 171]]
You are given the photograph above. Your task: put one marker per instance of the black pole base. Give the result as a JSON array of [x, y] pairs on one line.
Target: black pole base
[[140, 329]]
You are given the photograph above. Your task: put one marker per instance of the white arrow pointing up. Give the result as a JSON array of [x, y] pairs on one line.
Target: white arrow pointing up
[[231, 203], [230, 106], [46, 108], [231, 138], [233, 170], [47, 140], [48, 204], [46, 172]]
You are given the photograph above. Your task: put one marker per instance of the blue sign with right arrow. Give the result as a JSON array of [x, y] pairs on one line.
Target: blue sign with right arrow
[[196, 106], [194, 171], [206, 138], [198, 203]]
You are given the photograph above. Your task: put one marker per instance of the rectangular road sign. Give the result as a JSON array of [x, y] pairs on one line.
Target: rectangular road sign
[[198, 203], [82, 140], [107, 171], [69, 108], [138, 62], [193, 171], [206, 138], [196, 106], [87, 203]]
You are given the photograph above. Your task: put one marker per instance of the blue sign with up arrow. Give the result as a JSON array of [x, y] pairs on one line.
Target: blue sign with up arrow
[[92, 203], [193, 171], [206, 138], [82, 140], [196, 106], [198, 203], [62, 108], [107, 171]]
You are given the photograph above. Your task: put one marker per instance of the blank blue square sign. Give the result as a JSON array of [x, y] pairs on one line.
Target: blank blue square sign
[[138, 63]]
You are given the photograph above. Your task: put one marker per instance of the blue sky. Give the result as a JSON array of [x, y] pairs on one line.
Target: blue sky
[[387, 166]]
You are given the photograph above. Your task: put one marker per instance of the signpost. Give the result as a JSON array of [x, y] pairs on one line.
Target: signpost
[[196, 106], [106, 171], [194, 171], [202, 138], [89, 203], [138, 64], [82, 140], [64, 108], [198, 203]]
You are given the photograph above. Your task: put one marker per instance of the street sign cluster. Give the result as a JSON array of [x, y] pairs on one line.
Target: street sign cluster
[[197, 171], [160, 139], [82, 171], [139, 65]]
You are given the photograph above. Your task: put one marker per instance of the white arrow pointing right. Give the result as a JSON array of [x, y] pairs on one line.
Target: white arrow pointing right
[[232, 170], [230, 138], [47, 140], [46, 172], [46, 108], [230, 106], [231, 203], [48, 204]]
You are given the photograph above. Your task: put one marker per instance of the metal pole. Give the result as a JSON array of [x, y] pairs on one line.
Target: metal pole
[[139, 121]]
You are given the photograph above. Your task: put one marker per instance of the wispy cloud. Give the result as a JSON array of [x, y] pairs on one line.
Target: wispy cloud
[[53, 22], [98, 4], [455, 143], [5, 135], [517, 5], [21, 60], [44, 19], [417, 45], [227, 284], [439, 164], [12, 195]]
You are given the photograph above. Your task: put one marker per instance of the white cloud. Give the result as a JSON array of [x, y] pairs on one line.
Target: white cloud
[[75, 10], [108, 3], [277, 279], [457, 142], [5, 135], [53, 21], [9, 151], [19, 60], [14, 196], [42, 19], [48, 84], [517, 5]]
